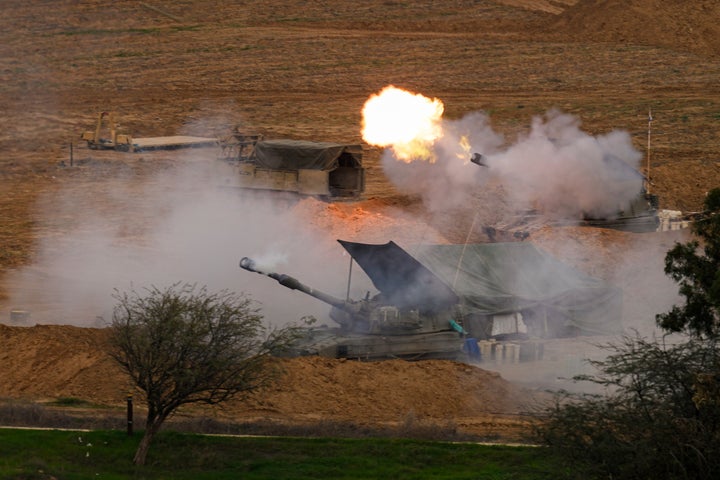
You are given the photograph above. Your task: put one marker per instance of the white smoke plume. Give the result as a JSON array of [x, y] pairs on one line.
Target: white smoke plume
[[568, 172], [556, 167], [182, 225], [272, 260], [450, 181]]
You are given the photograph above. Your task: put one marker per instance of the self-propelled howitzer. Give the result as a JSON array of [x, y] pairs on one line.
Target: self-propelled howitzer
[[373, 328]]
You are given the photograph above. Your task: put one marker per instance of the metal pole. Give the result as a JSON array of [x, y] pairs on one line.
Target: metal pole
[[129, 414], [650, 119], [462, 253], [347, 295], [71, 154]]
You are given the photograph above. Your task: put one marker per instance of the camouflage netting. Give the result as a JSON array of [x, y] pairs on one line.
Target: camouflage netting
[[298, 154], [495, 279]]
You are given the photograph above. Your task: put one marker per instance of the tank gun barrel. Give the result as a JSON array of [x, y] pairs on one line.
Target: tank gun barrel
[[293, 284], [479, 159]]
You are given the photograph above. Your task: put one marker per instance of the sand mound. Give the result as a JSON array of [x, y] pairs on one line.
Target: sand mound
[[52, 361], [385, 391], [43, 363]]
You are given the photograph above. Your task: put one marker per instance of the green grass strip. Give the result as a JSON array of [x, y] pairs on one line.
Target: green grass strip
[[67, 455]]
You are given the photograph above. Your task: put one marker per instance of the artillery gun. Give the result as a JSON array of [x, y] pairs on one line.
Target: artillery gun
[[378, 327], [507, 299]]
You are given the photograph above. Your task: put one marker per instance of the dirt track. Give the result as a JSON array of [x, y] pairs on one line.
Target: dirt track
[[294, 70]]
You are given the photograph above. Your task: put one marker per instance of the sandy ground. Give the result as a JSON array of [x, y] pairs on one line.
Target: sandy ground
[[46, 363]]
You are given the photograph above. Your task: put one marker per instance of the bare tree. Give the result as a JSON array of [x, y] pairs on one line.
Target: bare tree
[[183, 345]]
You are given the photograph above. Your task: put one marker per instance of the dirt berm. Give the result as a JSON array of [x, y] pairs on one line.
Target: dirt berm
[[50, 362]]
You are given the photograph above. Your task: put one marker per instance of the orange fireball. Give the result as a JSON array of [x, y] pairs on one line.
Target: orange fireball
[[407, 122]]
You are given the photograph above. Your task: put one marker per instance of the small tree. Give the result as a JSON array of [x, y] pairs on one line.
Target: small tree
[[183, 345], [698, 276]]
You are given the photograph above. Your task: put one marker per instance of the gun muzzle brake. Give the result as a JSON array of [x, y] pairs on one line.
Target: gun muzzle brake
[[248, 264]]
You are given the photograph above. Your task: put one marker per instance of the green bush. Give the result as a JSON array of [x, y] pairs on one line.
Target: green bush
[[658, 419]]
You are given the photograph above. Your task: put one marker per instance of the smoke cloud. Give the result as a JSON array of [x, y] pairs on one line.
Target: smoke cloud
[[556, 167], [183, 225]]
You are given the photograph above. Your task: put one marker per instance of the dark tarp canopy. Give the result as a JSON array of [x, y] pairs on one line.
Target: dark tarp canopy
[[402, 280], [492, 279], [298, 154]]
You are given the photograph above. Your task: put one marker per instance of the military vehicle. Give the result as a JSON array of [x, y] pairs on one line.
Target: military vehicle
[[641, 215], [392, 324], [504, 300], [323, 169], [127, 143]]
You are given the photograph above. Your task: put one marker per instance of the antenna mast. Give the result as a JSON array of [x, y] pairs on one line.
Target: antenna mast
[[462, 253], [647, 174]]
